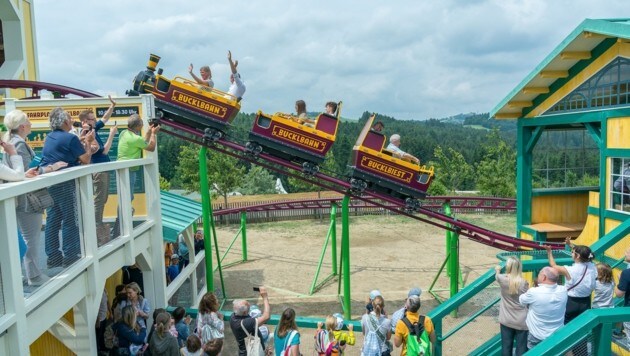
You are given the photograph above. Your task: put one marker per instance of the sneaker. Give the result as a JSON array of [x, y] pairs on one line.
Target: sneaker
[[39, 280]]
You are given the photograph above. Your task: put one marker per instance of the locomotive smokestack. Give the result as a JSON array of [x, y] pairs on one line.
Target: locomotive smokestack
[[153, 62]]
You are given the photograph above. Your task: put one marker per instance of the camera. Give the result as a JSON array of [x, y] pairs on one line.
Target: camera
[[154, 122], [76, 124]]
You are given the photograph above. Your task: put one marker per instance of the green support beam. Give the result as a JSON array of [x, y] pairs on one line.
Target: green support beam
[[345, 255], [206, 208]]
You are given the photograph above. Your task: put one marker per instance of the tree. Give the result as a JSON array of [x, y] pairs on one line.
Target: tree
[[496, 173], [451, 168], [169, 148], [258, 181], [224, 173], [164, 184]]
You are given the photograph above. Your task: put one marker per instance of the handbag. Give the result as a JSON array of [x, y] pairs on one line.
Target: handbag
[[252, 342], [38, 201]]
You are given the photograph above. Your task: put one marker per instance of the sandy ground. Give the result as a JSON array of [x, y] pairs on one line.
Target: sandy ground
[[388, 253]]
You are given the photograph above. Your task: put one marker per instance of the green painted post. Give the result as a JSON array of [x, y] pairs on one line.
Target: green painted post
[[333, 236], [244, 234], [345, 245], [602, 334], [453, 257], [207, 216]]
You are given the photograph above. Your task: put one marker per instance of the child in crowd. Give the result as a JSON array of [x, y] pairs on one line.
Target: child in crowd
[[332, 338], [181, 325], [213, 347], [162, 342], [192, 346], [368, 306], [173, 270], [263, 330], [604, 287]]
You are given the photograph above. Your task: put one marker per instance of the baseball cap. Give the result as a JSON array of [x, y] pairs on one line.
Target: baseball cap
[[375, 293], [340, 321], [174, 256], [414, 291]]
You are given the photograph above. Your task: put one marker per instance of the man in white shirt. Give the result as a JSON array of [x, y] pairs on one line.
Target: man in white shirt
[[394, 146], [546, 306], [237, 88]]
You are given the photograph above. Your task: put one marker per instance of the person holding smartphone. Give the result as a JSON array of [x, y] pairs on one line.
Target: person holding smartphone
[[100, 180], [241, 320]]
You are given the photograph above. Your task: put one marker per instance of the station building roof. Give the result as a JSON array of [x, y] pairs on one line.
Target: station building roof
[[178, 213], [588, 42]]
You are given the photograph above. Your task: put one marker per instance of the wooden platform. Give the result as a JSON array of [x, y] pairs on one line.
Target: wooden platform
[[558, 230]]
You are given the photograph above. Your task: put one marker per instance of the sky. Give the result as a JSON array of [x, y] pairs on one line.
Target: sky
[[412, 60]]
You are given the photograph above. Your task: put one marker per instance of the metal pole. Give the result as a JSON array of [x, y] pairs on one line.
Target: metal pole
[[207, 216], [453, 257], [333, 236], [345, 246], [244, 234]]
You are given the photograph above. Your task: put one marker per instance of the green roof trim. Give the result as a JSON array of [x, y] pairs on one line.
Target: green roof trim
[[608, 27], [178, 213]]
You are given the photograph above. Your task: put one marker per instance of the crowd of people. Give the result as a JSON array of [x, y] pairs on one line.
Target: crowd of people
[[529, 315], [64, 147]]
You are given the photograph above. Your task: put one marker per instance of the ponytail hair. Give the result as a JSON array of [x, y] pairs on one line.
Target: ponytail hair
[[584, 253], [379, 304], [162, 323]]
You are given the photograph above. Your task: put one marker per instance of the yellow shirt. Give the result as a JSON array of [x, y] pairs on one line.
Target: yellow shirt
[[402, 331]]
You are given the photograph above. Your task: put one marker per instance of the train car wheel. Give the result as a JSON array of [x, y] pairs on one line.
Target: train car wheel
[[357, 185], [310, 168], [212, 135], [412, 204], [253, 148]]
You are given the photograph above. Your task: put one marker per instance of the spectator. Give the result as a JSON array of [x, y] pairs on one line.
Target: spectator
[[29, 221], [237, 88], [100, 180], [241, 319], [13, 170], [184, 256], [131, 274], [199, 244], [129, 332], [140, 304], [210, 324], [120, 296], [512, 314], [255, 312], [376, 330], [287, 337], [213, 347], [580, 279], [400, 313], [394, 146], [368, 306], [331, 108], [173, 270], [131, 144], [206, 76], [62, 146], [546, 306], [162, 342], [623, 290], [413, 316], [604, 287], [192, 347], [101, 320], [332, 338], [182, 325], [622, 184], [156, 312]]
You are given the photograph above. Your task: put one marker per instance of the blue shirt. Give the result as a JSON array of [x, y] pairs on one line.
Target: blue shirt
[[61, 146], [279, 343], [172, 271], [99, 157], [182, 332]]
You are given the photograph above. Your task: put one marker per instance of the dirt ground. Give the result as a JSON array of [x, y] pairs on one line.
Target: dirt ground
[[389, 253]]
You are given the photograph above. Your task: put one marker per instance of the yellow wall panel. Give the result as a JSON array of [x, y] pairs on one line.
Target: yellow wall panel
[[47, 345], [563, 208], [590, 234], [619, 249], [618, 132], [29, 39]]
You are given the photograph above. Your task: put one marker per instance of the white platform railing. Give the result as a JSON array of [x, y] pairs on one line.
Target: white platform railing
[[26, 314]]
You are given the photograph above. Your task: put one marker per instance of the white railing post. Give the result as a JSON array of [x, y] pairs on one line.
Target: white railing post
[[152, 191], [11, 274]]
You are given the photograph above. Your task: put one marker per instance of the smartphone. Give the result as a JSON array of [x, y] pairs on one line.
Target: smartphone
[[256, 289]]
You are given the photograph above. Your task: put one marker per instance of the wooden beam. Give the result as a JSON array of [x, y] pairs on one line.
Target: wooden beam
[[535, 90], [554, 73], [520, 104], [509, 115], [569, 55]]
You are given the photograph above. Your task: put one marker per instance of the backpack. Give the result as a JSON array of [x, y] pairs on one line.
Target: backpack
[[252, 342], [109, 336], [417, 342], [287, 343], [333, 348], [321, 340]]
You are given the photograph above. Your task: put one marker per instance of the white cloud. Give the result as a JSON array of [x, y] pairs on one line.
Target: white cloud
[[410, 59]]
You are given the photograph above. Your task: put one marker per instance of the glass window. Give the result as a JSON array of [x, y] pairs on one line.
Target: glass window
[[620, 182]]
